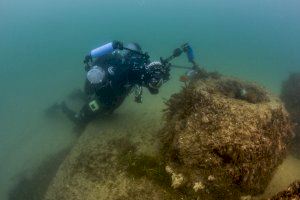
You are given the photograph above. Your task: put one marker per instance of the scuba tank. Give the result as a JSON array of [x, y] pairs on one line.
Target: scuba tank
[[101, 51], [106, 49]]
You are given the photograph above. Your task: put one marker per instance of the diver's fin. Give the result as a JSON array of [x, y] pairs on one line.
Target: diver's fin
[[52, 110]]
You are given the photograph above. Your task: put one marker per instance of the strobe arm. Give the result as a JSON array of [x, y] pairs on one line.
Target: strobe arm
[[176, 53], [190, 55], [186, 48]]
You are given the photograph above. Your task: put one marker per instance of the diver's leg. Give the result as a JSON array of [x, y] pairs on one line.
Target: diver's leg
[[69, 113], [87, 113]]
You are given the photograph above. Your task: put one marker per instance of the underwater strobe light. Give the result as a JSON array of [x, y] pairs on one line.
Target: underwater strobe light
[[189, 52]]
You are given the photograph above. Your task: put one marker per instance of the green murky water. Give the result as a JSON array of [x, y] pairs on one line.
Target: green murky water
[[42, 45]]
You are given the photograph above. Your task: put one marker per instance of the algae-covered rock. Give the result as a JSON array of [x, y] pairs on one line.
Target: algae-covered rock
[[111, 169], [225, 137], [222, 140], [116, 160], [290, 95]]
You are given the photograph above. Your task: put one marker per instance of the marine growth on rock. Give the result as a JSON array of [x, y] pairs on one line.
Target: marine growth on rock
[[225, 137]]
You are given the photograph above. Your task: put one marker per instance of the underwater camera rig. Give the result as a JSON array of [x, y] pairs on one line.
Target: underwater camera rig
[[117, 45]]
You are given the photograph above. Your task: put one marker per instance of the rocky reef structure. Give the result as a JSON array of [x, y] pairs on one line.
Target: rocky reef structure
[[291, 193], [290, 95], [223, 138], [116, 160]]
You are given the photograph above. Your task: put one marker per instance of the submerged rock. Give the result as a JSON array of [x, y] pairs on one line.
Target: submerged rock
[[290, 95], [222, 139], [118, 162], [225, 136]]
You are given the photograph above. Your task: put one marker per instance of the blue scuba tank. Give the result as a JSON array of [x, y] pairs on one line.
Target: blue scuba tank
[[102, 50]]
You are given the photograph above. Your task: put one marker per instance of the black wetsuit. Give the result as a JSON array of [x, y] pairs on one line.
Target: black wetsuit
[[122, 74]]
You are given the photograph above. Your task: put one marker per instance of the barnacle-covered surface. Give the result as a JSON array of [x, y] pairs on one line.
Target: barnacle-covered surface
[[223, 138], [291, 193], [290, 95]]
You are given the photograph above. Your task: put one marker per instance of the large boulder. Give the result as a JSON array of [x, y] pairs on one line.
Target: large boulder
[[116, 159], [290, 95], [223, 138]]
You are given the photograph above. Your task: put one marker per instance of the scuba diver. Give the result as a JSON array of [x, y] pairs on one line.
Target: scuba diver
[[113, 71]]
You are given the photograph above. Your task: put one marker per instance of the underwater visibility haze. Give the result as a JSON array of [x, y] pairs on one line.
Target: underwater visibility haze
[[43, 44]]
